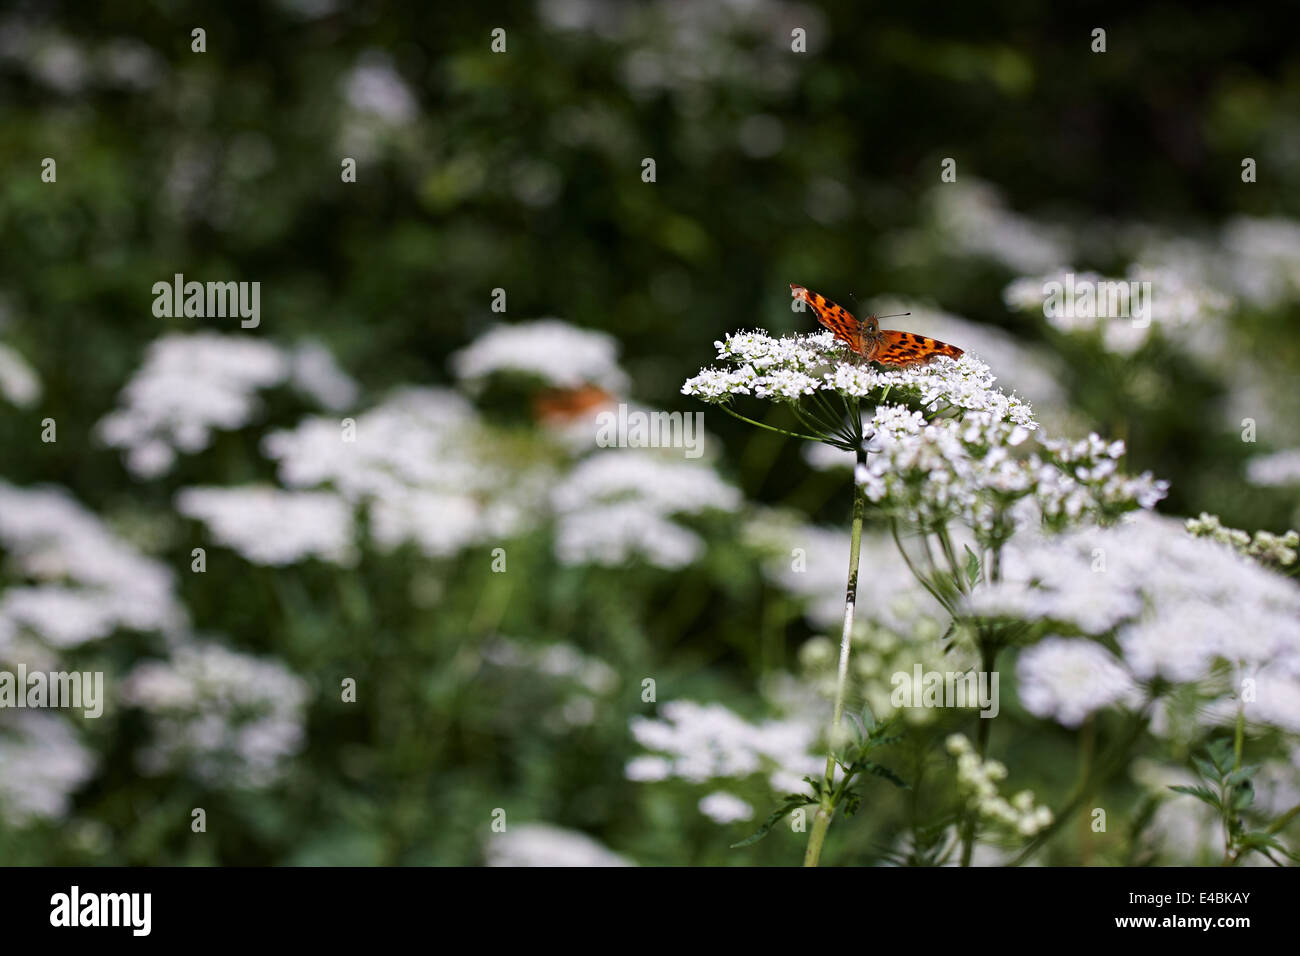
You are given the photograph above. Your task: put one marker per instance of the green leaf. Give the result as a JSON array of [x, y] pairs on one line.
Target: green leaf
[[879, 770], [1200, 793], [1253, 839], [1206, 769], [793, 801], [973, 571], [1244, 775], [1222, 755], [858, 725], [868, 718]]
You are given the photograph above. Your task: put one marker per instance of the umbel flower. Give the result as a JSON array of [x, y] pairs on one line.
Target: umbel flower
[[812, 375], [940, 453]]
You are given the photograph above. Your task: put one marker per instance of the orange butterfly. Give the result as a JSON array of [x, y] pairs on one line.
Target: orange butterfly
[[559, 406], [868, 339]]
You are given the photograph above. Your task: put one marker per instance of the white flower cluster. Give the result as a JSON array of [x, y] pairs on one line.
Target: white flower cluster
[[188, 386], [274, 527], [422, 465], [1280, 469], [722, 807], [591, 677], [972, 219], [1082, 478], [1066, 680], [977, 779], [65, 64], [541, 844], [1176, 605], [19, 383], [682, 49], [192, 385], [1264, 546], [618, 504], [85, 581], [1183, 309], [702, 742], [41, 763], [555, 352], [224, 716], [1262, 259], [554, 660], [1031, 371], [789, 368], [931, 473]]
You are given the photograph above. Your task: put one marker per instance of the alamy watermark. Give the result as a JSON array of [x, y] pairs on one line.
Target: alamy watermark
[[74, 689], [1098, 299], [636, 428], [922, 688], [212, 300]]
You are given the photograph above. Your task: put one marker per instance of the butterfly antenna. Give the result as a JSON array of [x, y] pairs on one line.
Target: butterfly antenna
[[894, 316]]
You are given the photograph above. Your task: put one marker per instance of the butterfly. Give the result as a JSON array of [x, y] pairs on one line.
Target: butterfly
[[868, 339], [560, 406]]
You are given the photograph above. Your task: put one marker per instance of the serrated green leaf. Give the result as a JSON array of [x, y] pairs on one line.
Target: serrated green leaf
[[1200, 793], [793, 801], [879, 770], [1222, 755], [868, 719], [1206, 769]]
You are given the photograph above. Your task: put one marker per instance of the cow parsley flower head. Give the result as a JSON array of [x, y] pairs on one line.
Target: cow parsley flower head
[[191, 386], [619, 504], [1179, 608], [551, 350], [42, 763], [273, 527], [795, 367], [1277, 470], [970, 470], [74, 580], [423, 465], [224, 716], [1069, 679], [702, 742], [541, 844]]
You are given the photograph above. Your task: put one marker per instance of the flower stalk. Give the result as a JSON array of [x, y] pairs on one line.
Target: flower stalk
[[826, 804]]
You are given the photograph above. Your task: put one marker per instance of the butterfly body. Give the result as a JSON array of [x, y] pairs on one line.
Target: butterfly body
[[867, 339]]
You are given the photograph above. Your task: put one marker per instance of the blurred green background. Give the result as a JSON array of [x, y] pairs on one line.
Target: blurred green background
[[522, 170]]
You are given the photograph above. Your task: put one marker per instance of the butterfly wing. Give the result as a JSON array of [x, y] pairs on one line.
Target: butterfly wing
[[902, 349], [836, 318], [568, 404]]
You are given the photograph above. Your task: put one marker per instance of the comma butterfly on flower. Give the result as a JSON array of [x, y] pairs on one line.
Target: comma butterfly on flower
[[868, 339]]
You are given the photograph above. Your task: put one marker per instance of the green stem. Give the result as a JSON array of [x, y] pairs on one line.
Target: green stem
[[771, 428], [826, 809], [1283, 820], [1087, 747], [1112, 765], [817, 836], [1229, 797], [988, 655], [921, 579]]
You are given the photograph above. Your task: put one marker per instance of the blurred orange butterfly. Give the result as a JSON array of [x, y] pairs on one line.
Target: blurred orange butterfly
[[868, 339], [559, 406]]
